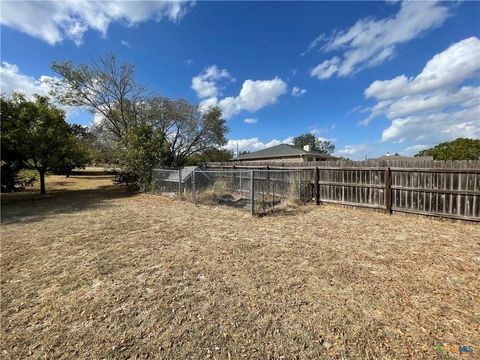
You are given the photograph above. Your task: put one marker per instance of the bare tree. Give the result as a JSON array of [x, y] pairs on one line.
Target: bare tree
[[188, 130], [144, 131], [106, 88]]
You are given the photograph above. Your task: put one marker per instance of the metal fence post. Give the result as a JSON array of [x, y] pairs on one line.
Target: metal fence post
[[179, 182], [194, 196], [252, 192], [241, 188], [153, 182]]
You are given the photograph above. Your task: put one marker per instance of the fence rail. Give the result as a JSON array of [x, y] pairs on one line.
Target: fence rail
[[393, 163], [358, 186], [449, 189], [258, 191], [453, 194], [438, 192], [452, 191]]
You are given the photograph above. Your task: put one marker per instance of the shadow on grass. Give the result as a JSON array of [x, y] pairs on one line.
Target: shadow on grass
[[30, 206]]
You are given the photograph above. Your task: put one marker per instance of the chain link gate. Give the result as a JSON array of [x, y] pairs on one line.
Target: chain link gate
[[273, 189]]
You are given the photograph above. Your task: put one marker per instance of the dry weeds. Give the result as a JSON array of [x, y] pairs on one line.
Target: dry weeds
[[89, 272]]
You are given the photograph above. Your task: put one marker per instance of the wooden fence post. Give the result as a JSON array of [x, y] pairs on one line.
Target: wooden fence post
[[299, 173], [252, 192], [388, 190], [316, 186]]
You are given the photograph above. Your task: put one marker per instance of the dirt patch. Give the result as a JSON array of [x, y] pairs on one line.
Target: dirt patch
[[99, 274]]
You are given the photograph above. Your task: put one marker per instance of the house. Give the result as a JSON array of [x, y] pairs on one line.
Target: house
[[283, 153], [397, 156]]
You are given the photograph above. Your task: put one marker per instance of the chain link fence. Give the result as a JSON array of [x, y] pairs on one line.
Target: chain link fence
[[275, 189], [256, 191], [222, 187], [175, 182]]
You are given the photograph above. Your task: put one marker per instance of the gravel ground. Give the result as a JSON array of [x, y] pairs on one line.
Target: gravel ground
[[89, 271]]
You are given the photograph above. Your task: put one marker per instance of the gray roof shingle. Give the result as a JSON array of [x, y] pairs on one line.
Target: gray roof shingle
[[282, 150]]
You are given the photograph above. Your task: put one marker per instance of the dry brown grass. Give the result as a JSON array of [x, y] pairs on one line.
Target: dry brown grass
[[89, 272]]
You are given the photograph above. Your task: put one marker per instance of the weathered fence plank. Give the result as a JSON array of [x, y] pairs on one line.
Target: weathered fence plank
[[449, 189], [388, 191]]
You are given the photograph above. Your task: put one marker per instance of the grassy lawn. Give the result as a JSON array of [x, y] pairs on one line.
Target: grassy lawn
[[88, 271]]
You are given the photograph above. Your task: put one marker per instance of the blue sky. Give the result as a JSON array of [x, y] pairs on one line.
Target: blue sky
[[371, 76]]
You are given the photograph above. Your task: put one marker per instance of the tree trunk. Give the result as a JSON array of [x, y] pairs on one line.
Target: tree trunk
[[42, 182]]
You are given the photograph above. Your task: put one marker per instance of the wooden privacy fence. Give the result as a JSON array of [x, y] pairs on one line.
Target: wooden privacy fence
[[449, 189], [453, 193], [354, 186], [450, 193]]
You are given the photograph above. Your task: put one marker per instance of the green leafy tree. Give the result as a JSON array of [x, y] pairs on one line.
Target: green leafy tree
[[103, 148], [123, 107], [36, 132], [459, 149], [210, 155], [321, 146], [148, 147], [82, 151], [324, 147], [106, 88], [189, 131], [305, 139], [11, 158]]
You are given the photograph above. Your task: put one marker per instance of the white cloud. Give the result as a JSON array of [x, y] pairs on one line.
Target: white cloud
[[207, 103], [254, 144], [450, 67], [254, 95], [125, 43], [353, 151], [250, 121], [433, 106], [359, 109], [97, 119], [205, 83], [323, 131], [13, 80], [414, 149], [55, 21], [297, 92], [370, 42], [314, 44], [436, 126], [326, 69], [409, 105]]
